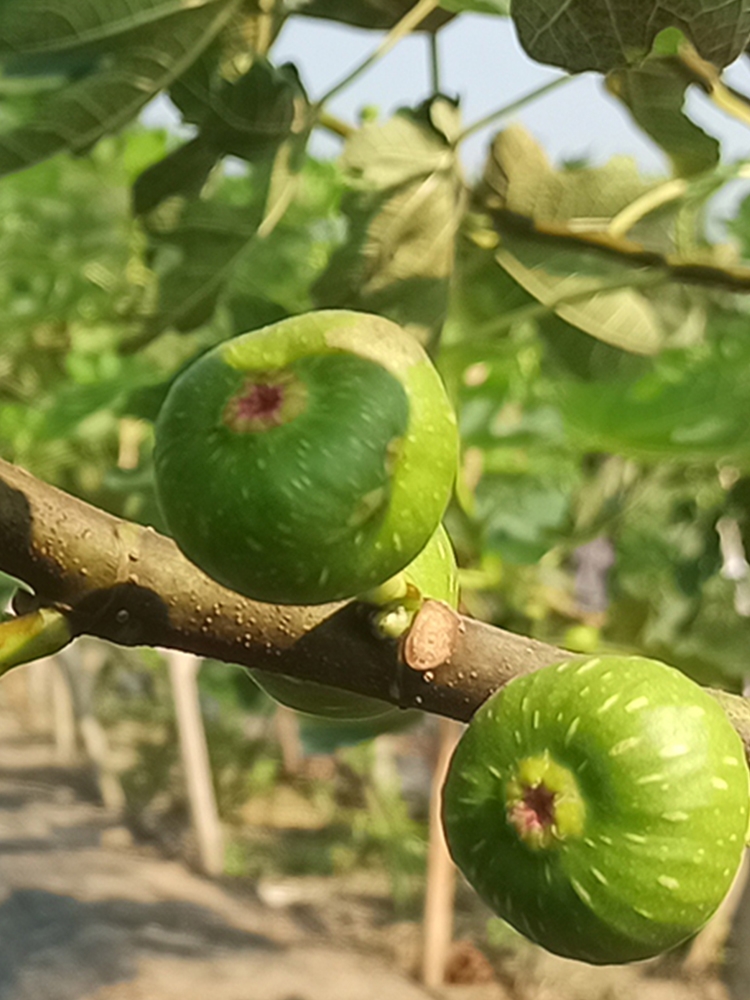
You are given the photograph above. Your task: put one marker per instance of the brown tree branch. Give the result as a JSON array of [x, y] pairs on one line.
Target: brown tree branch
[[128, 584]]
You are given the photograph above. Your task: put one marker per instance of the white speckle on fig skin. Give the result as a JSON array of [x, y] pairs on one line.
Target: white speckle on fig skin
[[674, 750], [720, 784], [588, 665], [572, 730], [636, 704], [635, 838], [625, 745], [609, 703], [668, 882], [649, 779], [580, 891]]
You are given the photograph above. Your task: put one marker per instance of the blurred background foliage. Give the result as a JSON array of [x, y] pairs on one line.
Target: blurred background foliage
[[591, 332]]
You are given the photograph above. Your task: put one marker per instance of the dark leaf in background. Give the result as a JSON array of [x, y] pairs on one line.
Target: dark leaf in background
[[184, 171], [369, 13], [501, 7], [655, 96], [249, 118], [611, 34], [193, 257], [138, 50]]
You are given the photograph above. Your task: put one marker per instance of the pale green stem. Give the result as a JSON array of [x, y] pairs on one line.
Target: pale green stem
[[434, 62], [411, 20], [509, 109], [624, 221], [335, 125], [275, 212]]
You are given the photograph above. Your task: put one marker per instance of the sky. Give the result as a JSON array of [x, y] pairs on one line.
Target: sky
[[483, 64]]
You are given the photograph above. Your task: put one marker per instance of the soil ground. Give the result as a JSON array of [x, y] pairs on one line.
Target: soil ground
[[87, 915]]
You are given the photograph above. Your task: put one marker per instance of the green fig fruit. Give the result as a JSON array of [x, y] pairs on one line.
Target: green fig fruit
[[600, 806], [307, 461]]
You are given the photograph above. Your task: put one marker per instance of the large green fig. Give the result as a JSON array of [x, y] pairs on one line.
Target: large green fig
[[307, 461], [600, 806], [433, 574]]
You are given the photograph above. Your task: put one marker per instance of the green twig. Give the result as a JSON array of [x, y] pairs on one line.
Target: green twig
[[411, 20], [509, 109], [434, 62], [649, 202]]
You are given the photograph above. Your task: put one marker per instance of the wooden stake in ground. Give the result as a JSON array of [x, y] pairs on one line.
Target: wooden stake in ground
[[441, 872], [183, 673], [66, 743]]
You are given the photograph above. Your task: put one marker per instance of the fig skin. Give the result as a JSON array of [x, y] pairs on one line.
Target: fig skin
[[600, 806], [308, 461]]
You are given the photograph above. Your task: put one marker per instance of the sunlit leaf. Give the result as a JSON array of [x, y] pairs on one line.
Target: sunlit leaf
[[598, 294], [403, 209]]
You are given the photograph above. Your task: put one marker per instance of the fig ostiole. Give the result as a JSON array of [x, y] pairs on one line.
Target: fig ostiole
[[307, 461], [600, 806], [432, 574]]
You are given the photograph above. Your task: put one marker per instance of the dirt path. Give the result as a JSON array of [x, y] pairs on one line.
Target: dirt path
[[83, 917]]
